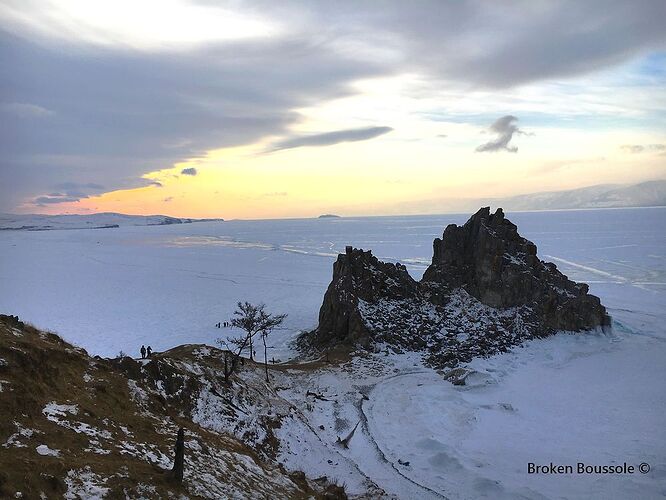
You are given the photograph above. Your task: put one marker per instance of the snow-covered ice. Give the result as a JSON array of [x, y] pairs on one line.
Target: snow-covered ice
[[590, 398], [565, 399], [115, 289]]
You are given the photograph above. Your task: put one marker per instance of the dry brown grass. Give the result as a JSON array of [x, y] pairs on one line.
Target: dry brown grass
[[38, 368]]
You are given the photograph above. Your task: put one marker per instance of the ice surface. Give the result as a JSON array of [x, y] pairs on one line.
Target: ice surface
[[115, 289], [569, 398]]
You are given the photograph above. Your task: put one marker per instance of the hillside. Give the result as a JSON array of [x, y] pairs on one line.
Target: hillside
[[86, 427]]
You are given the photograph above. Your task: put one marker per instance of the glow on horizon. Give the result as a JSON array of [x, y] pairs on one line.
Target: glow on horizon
[[574, 126], [389, 175]]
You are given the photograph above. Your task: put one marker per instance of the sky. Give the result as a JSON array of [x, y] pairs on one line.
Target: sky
[[263, 109]]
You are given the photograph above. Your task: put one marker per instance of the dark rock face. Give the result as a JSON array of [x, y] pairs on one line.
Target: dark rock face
[[13, 321], [486, 256], [359, 276], [485, 291], [493, 263]]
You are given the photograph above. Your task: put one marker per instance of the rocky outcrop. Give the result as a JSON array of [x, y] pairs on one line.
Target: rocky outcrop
[[485, 291], [493, 263], [359, 277]]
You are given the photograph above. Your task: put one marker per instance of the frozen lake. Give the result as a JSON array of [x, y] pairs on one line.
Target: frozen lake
[[114, 289], [590, 397]]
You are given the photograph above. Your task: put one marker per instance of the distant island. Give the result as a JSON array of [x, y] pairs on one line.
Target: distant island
[[329, 216]]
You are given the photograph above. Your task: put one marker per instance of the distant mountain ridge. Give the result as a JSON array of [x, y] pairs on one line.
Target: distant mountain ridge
[[645, 194], [104, 220]]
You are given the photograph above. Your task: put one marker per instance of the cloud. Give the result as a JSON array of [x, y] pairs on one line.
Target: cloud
[[633, 148], [639, 148], [552, 166], [189, 171], [50, 200], [485, 44], [68, 192], [68, 186], [138, 107], [330, 138], [25, 110], [111, 123], [167, 199], [504, 128]]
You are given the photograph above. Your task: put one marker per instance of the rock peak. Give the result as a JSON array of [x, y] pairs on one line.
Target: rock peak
[[485, 282]]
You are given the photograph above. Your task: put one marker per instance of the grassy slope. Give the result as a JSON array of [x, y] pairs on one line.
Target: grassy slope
[[113, 433]]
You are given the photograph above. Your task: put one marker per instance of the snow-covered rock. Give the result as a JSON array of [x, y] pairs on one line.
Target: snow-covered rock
[[485, 291]]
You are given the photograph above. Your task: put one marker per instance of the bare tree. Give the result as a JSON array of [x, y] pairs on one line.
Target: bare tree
[[269, 322], [253, 320], [228, 366], [247, 318]]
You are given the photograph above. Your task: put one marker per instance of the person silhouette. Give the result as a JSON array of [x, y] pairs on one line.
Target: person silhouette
[[143, 352], [149, 351]]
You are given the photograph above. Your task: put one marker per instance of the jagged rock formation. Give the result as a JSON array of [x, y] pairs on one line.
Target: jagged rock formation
[[359, 276], [485, 291], [492, 262]]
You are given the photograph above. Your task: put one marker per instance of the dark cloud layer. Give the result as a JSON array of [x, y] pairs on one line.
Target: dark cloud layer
[[497, 44], [330, 138], [69, 192], [89, 114], [119, 114]]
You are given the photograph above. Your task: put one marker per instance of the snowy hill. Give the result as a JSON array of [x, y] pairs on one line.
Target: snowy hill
[[38, 222], [97, 428], [645, 194]]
